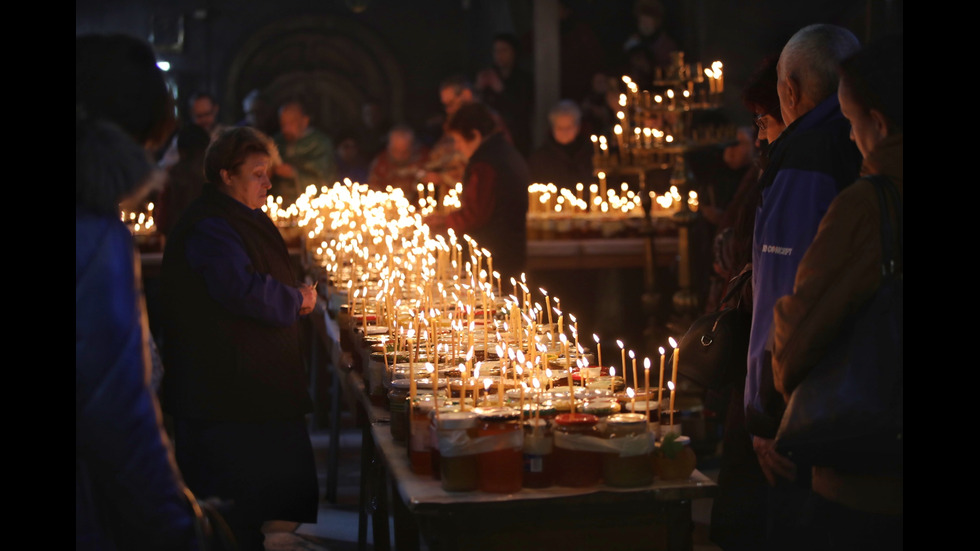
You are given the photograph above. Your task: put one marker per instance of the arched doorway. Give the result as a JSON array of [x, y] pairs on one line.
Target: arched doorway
[[332, 62]]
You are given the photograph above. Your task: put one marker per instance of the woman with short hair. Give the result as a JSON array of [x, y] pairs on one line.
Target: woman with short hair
[[235, 380]]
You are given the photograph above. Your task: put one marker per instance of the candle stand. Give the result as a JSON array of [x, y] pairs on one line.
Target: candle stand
[[657, 131]]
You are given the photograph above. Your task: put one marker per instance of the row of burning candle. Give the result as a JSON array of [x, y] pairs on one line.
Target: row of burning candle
[[547, 199], [429, 295]]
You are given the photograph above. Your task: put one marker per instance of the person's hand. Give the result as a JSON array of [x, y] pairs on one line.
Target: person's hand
[[309, 299], [285, 171], [773, 464]]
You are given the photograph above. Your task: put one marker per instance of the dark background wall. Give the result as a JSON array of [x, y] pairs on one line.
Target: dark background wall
[[397, 51]]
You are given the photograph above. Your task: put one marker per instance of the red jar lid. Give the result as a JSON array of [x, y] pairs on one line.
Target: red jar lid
[[576, 419]]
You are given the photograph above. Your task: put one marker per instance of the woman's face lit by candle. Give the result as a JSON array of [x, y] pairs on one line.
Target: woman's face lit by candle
[[249, 183]]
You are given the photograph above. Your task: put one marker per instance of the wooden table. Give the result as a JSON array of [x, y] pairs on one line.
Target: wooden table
[[657, 516]]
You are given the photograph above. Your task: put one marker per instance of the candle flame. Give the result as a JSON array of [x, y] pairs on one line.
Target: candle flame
[[630, 393], [670, 385], [596, 337], [646, 363], [673, 343], [631, 354], [619, 343]]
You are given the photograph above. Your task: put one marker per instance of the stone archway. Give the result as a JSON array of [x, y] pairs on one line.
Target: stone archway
[[333, 62]]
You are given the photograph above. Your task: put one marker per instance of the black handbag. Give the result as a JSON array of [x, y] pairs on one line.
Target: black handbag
[[847, 411], [715, 348]]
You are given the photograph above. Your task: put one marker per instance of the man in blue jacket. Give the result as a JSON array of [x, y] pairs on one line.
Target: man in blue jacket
[[813, 160]]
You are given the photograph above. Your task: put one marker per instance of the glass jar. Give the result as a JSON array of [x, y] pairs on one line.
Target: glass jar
[[641, 409], [501, 468], [539, 468], [575, 465], [420, 438], [398, 406], [457, 465], [445, 406], [633, 465]]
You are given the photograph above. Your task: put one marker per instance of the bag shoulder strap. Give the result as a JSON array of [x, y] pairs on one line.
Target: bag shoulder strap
[[892, 227], [735, 286]]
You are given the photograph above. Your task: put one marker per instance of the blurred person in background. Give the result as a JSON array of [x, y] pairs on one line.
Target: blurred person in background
[[307, 154], [494, 199]]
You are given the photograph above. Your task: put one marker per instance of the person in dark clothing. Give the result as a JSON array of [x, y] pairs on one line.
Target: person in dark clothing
[[509, 90], [128, 491], [351, 161], [840, 273], [813, 161], [185, 178], [494, 199], [566, 158], [738, 514], [234, 379]]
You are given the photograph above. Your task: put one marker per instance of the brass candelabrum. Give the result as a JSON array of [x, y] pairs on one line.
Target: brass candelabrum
[[656, 131]]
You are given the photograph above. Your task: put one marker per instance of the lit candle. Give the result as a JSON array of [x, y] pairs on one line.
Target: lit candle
[[622, 352], [598, 348], [547, 301], [632, 396], [635, 380], [673, 379], [574, 331], [646, 386], [660, 387]]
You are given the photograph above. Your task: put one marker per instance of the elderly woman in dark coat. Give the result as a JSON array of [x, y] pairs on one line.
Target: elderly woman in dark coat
[[234, 378]]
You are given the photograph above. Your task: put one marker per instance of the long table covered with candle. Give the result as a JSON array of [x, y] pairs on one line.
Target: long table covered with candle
[[412, 307], [657, 516]]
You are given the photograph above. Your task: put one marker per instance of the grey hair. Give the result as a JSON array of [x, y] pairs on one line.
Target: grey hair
[[565, 107], [812, 58]]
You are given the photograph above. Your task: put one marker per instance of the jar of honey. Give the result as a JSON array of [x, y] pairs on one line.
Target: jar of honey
[[501, 465], [457, 461], [632, 464], [577, 461], [398, 406], [420, 438]]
